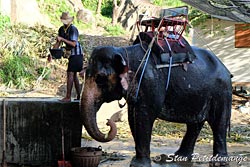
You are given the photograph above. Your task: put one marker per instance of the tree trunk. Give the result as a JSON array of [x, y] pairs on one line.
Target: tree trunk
[[116, 10], [99, 5]]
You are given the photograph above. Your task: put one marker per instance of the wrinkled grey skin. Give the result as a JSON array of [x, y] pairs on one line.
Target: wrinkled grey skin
[[202, 93]]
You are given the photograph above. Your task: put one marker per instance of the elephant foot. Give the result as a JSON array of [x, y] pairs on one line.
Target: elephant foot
[[140, 162], [219, 161], [218, 164], [184, 155]]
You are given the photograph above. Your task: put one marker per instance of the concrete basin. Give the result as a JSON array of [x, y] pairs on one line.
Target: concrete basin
[[33, 129]]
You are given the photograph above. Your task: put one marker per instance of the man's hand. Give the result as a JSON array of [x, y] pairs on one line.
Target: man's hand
[[49, 58], [60, 39]]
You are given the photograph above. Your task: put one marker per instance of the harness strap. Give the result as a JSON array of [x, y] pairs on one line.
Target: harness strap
[[170, 62], [145, 64]]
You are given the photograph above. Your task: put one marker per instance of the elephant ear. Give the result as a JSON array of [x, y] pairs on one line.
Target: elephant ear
[[121, 69], [120, 64]]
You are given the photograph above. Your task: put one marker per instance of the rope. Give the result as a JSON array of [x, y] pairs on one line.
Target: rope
[[145, 64], [170, 62], [143, 70], [146, 56], [44, 73], [169, 72]]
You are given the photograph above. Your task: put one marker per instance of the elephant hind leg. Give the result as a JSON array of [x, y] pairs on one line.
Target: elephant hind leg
[[140, 162], [219, 145], [219, 122], [219, 136], [187, 145]]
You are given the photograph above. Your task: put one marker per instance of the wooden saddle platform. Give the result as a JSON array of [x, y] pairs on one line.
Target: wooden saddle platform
[[167, 32]]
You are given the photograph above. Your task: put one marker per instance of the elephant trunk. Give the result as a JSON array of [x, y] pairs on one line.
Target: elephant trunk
[[89, 107]]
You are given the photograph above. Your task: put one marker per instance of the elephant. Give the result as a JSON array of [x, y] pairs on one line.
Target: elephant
[[199, 93]]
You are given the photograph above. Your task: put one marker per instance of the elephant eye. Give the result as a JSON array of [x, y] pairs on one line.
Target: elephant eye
[[101, 80]]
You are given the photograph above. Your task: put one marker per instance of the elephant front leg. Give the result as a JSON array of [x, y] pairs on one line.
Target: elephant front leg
[[187, 145], [141, 123]]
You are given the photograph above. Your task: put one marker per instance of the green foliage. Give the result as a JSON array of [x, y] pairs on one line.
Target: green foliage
[[82, 26], [176, 130], [4, 22], [197, 17], [32, 41], [54, 9], [107, 8], [114, 30], [44, 72], [16, 66], [16, 71], [239, 134], [163, 128], [169, 3], [21, 46], [158, 2], [90, 4]]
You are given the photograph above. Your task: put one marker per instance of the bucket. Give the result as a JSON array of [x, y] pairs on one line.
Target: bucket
[[86, 156], [56, 53]]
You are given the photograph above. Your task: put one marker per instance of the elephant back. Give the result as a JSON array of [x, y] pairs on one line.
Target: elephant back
[[180, 49]]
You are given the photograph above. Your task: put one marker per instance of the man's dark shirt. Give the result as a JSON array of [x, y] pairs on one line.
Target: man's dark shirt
[[72, 34]]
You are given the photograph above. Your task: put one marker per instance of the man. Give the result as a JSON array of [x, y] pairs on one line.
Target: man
[[68, 34]]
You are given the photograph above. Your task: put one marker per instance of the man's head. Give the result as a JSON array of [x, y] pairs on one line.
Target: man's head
[[66, 18]]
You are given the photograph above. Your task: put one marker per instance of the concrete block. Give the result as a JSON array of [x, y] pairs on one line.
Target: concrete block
[[33, 129]]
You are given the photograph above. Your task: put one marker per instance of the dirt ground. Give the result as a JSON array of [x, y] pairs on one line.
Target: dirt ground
[[120, 153]]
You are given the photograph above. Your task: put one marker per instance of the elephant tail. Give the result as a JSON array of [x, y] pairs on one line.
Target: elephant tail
[[229, 124]]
